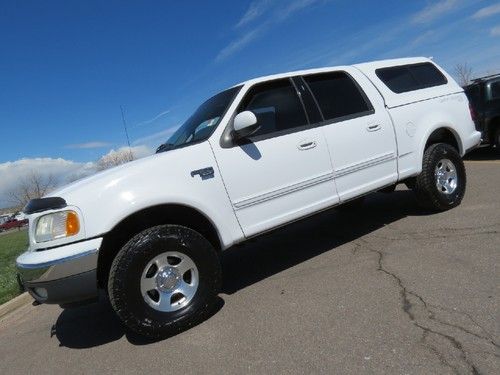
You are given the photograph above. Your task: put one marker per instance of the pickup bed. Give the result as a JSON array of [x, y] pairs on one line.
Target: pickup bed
[[254, 157]]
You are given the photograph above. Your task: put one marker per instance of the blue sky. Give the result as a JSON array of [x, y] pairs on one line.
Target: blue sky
[[67, 66]]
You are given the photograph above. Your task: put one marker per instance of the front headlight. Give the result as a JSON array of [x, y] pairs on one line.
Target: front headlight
[[57, 225]]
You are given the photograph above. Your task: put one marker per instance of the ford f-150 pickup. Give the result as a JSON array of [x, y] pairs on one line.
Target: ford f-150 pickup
[[254, 157]]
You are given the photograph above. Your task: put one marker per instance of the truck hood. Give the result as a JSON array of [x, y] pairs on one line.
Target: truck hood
[[120, 177]]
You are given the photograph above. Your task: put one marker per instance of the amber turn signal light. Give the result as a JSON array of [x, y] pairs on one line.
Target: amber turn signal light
[[72, 224]]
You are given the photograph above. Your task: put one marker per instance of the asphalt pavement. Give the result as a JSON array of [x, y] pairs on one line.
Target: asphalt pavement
[[386, 289]]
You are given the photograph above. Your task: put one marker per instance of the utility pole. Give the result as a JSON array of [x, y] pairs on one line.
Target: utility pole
[[126, 133]]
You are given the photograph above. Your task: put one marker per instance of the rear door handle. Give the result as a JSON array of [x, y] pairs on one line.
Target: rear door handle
[[306, 145], [374, 127]]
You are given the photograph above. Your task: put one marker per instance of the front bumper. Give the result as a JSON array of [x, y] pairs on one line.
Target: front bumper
[[61, 275]]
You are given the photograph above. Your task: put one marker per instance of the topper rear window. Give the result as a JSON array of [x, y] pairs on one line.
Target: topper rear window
[[411, 77]]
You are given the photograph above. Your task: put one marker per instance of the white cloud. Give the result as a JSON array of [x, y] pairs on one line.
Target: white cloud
[[278, 15], [156, 139], [237, 44], [433, 11], [294, 7], [158, 116], [423, 38], [254, 11], [138, 151], [495, 31], [88, 145], [12, 171], [487, 11], [62, 170]]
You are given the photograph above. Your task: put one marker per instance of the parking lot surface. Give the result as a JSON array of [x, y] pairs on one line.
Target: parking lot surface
[[386, 289]]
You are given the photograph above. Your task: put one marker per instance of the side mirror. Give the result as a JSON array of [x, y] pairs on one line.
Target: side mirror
[[245, 124]]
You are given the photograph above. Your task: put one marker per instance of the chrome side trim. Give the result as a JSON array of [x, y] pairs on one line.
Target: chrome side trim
[[260, 198], [406, 154], [364, 164]]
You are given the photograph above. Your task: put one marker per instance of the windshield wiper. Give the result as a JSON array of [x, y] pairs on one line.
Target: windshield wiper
[[165, 147]]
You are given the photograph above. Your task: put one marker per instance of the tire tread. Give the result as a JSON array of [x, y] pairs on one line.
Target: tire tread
[[425, 188], [121, 263]]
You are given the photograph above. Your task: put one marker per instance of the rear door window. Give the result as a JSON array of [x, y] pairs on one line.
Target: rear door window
[[338, 95]]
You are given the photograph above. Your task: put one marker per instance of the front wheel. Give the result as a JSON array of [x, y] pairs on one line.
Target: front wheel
[[164, 280], [441, 185]]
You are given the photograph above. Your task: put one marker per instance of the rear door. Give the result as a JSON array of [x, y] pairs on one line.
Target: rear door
[[283, 171], [358, 131]]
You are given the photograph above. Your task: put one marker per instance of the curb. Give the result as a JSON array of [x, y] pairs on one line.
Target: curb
[[14, 304]]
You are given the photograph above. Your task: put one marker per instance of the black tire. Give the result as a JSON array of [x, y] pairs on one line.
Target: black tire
[[411, 183], [388, 189], [426, 189], [496, 139], [128, 266]]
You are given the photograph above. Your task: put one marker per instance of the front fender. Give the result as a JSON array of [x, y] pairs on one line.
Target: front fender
[[164, 178]]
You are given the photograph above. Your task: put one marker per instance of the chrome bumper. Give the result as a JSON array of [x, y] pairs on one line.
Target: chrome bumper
[[61, 275]]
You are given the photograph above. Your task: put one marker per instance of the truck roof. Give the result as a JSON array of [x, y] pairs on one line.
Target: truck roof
[[485, 78], [391, 98], [373, 64]]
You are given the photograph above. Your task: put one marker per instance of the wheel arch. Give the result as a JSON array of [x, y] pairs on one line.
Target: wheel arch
[[136, 222], [441, 133]]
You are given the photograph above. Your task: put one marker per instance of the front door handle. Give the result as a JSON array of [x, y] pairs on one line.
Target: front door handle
[[373, 127], [306, 145]]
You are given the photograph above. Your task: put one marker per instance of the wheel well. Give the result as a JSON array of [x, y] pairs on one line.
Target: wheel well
[[494, 125], [443, 135], [163, 214]]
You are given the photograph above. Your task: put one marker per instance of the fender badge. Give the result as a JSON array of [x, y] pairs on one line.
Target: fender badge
[[204, 173]]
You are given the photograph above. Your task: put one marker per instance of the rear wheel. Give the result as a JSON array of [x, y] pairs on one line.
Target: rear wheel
[[496, 139], [441, 185], [164, 280]]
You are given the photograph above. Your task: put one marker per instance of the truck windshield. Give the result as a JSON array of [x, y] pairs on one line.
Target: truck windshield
[[202, 122]]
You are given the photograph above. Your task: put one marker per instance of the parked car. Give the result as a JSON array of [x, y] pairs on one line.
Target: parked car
[[254, 157], [484, 96], [13, 223], [4, 218]]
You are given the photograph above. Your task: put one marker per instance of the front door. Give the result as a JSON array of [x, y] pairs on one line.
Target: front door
[[281, 172]]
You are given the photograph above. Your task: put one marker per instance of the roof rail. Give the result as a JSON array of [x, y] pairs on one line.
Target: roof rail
[[485, 77]]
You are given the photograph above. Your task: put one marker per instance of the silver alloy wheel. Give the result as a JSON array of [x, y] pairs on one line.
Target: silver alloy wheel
[[169, 281], [446, 176]]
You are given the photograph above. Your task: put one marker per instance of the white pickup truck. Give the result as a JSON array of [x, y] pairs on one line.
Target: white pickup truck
[[252, 158]]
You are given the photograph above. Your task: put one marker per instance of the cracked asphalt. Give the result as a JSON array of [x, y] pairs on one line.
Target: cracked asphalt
[[386, 289]]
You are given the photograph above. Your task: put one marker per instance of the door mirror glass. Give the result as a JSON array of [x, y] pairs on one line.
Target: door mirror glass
[[245, 124]]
